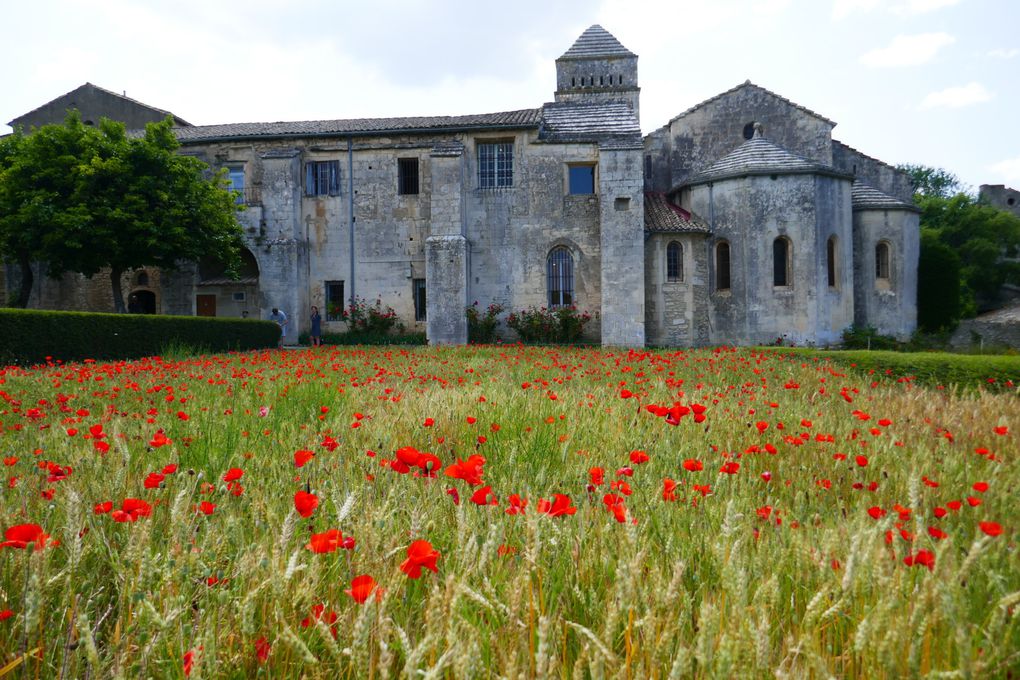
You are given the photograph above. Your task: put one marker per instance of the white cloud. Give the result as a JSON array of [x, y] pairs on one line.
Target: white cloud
[[766, 7], [957, 97], [908, 50], [1008, 170], [1004, 54], [911, 7], [844, 8]]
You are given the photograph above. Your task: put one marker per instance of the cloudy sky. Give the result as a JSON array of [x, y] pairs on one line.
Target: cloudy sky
[[908, 81]]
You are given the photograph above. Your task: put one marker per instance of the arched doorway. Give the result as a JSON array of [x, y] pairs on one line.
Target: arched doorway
[[142, 302]]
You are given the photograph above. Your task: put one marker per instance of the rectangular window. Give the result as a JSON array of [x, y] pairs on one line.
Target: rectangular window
[[238, 297], [235, 181], [407, 176], [334, 300], [322, 178], [496, 165], [582, 179], [418, 290]]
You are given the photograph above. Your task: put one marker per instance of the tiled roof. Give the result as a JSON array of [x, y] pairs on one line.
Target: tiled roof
[[760, 156], [177, 120], [588, 122], [661, 216], [748, 83], [525, 118], [865, 197], [596, 42], [448, 147]]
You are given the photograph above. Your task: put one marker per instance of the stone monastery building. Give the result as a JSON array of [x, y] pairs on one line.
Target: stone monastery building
[[741, 220]]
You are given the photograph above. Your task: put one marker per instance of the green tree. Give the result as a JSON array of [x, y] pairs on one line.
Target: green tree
[[939, 296], [84, 199], [929, 181]]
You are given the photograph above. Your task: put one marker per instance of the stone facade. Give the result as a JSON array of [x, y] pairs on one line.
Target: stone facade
[[1000, 196], [561, 204]]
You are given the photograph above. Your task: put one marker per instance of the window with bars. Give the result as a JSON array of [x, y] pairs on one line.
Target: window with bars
[[674, 262], [781, 262], [722, 266], [334, 300], [418, 293], [322, 178], [882, 263], [407, 176], [559, 270], [495, 165]]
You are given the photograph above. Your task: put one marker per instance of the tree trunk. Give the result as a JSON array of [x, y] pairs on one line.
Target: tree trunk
[[27, 279], [118, 294]]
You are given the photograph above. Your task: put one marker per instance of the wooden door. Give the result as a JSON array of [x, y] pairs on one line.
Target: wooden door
[[205, 305]]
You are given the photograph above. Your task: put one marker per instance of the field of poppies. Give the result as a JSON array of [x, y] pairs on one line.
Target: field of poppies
[[504, 511]]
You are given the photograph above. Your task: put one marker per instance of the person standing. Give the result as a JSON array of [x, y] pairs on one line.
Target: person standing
[[281, 319], [316, 327]]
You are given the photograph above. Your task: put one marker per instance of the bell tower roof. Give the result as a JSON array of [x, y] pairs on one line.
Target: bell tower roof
[[596, 42]]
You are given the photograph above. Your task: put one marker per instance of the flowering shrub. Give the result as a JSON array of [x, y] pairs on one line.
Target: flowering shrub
[[362, 317], [543, 325], [482, 325]]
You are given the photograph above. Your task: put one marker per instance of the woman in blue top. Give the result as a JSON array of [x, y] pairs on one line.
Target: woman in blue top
[[316, 328]]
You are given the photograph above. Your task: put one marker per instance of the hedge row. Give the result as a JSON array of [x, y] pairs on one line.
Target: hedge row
[[931, 368], [29, 336]]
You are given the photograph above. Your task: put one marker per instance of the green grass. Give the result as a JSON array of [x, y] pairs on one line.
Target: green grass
[[708, 585]]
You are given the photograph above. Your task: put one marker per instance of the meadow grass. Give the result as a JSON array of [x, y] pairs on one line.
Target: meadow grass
[[773, 569]]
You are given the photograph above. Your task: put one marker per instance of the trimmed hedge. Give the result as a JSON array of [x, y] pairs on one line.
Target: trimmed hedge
[[29, 336], [931, 368]]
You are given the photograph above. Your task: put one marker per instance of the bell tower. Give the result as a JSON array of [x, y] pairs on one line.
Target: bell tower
[[597, 68]]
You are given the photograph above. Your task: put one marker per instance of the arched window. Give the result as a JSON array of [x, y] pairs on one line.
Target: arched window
[[559, 272], [781, 262], [142, 279], [722, 266], [830, 260], [882, 263], [674, 262]]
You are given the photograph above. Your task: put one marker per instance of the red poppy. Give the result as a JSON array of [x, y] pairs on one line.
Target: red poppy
[[637, 457], [6, 614], [262, 649], [693, 465], [862, 461], [159, 439], [170, 469], [730, 467], [319, 613], [876, 512], [153, 480], [561, 505], [937, 533], [517, 505], [130, 510], [429, 422], [103, 508], [1002, 430], [419, 554], [980, 487], [597, 476], [668, 490], [326, 542], [361, 587], [991, 528], [189, 661], [452, 492], [233, 474], [482, 496], [301, 457], [469, 470], [305, 503], [206, 508], [924, 558], [20, 535]]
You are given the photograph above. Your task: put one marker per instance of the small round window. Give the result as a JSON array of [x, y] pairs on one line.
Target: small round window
[[749, 130], [1011, 201]]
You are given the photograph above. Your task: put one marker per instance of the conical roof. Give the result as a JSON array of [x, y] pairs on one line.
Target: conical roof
[[594, 43], [867, 197], [760, 156]]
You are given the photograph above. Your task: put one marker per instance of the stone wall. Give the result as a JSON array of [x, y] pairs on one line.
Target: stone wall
[[750, 213], [1000, 196], [702, 135], [889, 305], [995, 330], [873, 172], [676, 312], [93, 103]]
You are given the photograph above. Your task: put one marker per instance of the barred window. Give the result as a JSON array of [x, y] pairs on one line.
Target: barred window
[[559, 269], [674, 262], [418, 291], [322, 178], [882, 261], [334, 300], [495, 165], [407, 176]]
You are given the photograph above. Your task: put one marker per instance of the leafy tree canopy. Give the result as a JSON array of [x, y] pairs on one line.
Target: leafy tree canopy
[[83, 199], [929, 181]]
